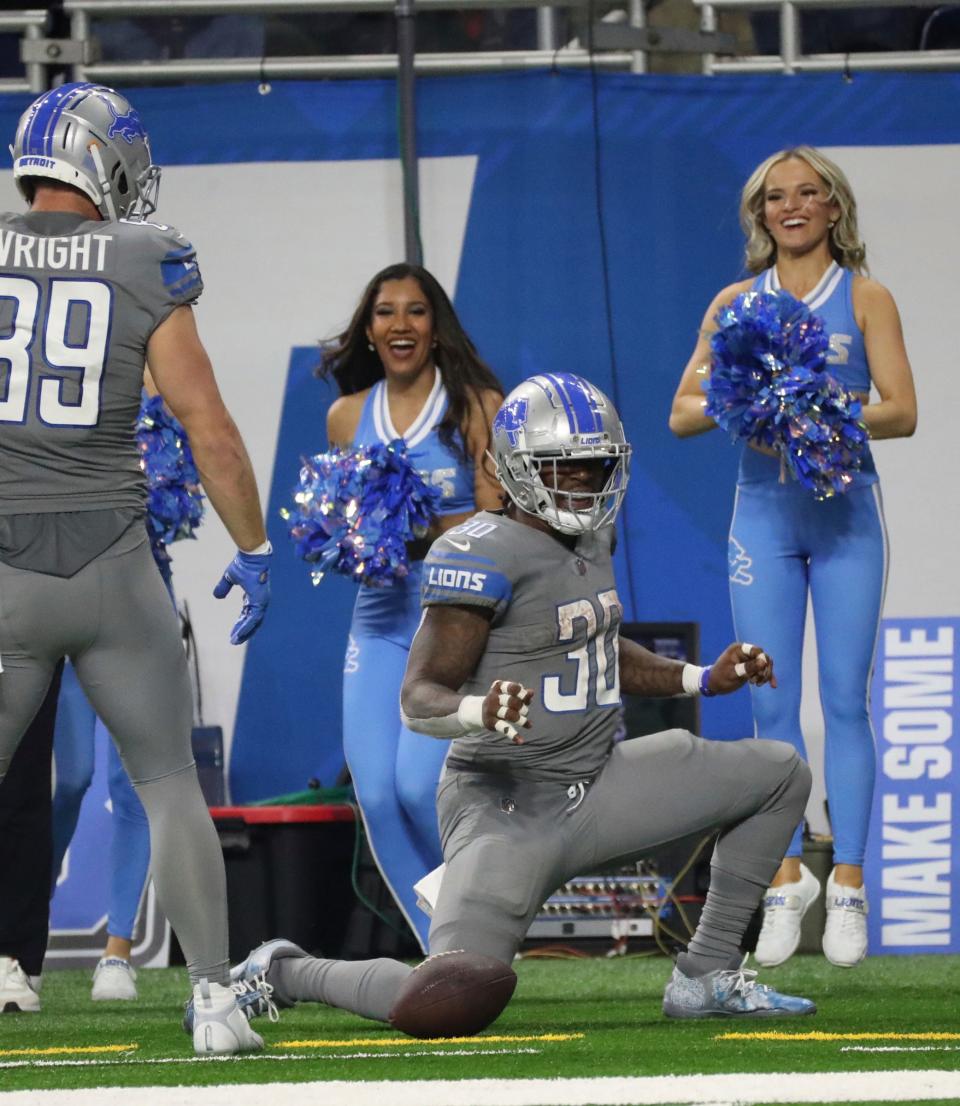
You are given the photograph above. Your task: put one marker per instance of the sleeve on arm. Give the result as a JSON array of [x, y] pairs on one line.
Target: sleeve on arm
[[167, 272], [464, 580]]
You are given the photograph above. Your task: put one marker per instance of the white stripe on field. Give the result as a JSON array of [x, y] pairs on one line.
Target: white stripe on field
[[768, 1087], [244, 1058], [900, 1048]]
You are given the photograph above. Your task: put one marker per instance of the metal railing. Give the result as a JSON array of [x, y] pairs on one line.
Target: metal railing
[[32, 25], [549, 52], [792, 59], [621, 40]]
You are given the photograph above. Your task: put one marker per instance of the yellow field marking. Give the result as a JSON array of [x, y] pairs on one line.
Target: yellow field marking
[[406, 1041], [66, 1051], [818, 1036]]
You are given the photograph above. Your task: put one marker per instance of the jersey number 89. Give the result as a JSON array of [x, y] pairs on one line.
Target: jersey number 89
[[51, 328]]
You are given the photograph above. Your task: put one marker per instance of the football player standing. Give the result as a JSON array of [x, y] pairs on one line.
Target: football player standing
[[89, 293]]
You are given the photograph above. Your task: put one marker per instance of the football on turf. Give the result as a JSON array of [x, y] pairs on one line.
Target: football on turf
[[452, 994]]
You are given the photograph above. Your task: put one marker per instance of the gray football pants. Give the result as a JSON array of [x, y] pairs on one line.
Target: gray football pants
[[113, 619], [509, 844]]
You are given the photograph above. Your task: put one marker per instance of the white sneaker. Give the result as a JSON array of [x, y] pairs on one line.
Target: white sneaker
[[783, 911], [219, 1025], [845, 935], [17, 993], [114, 980]]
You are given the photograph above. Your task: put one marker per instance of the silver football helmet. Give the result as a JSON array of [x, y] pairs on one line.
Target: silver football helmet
[[552, 418], [88, 136]]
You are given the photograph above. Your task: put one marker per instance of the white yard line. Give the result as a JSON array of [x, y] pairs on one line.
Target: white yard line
[[702, 1090], [133, 1061], [901, 1048]]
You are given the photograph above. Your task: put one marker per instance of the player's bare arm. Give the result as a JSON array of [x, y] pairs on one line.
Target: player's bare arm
[[645, 673], [184, 376], [444, 654]]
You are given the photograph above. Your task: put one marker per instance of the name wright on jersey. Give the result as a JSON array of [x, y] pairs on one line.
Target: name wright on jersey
[[87, 252]]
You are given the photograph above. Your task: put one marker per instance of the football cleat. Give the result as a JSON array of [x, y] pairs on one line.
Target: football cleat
[[254, 997], [17, 993], [114, 980], [259, 962], [219, 1025], [728, 993], [845, 934], [783, 911]]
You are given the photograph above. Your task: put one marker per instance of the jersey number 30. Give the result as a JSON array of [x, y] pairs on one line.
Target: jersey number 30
[[597, 679], [32, 331]]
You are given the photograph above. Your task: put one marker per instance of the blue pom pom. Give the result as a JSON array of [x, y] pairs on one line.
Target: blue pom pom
[[769, 385], [356, 510], [174, 500]]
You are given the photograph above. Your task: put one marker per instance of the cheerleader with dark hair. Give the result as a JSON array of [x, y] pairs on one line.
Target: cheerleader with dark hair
[[406, 370]]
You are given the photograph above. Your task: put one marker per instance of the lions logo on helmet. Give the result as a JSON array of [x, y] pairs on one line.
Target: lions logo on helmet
[[557, 417], [90, 137]]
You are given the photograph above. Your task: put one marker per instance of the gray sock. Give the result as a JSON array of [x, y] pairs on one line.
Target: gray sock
[[745, 859], [186, 862], [730, 904], [364, 987]]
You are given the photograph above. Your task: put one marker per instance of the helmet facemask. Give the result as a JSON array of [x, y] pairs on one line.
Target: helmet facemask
[[554, 419]]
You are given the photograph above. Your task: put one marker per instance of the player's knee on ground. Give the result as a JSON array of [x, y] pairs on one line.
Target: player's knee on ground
[[490, 890]]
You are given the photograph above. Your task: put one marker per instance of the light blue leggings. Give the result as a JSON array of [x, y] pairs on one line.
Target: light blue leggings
[[73, 753], [395, 771], [783, 543]]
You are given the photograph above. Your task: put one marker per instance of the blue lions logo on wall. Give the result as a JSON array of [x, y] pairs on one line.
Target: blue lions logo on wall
[[511, 419]]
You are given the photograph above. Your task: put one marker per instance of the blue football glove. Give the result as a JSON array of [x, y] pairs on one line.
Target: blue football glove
[[251, 572]]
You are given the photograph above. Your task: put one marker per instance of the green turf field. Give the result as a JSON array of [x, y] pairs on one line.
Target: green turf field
[[569, 1018]]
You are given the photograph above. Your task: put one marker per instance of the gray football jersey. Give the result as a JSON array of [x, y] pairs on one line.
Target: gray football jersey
[[79, 300], [556, 621]]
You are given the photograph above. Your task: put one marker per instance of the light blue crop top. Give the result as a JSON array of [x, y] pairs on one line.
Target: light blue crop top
[[832, 301], [437, 464]]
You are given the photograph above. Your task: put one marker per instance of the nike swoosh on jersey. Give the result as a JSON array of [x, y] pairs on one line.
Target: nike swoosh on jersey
[[463, 546]]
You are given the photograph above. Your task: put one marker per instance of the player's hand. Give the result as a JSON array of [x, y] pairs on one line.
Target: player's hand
[[505, 708], [739, 664], [251, 572]]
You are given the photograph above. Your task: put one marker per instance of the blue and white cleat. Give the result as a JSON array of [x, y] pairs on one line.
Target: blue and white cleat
[[253, 998], [258, 963], [728, 993]]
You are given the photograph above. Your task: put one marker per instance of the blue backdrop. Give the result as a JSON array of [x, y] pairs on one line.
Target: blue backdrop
[[670, 155]]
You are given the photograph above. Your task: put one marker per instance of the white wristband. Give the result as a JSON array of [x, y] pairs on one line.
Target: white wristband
[[690, 676], [470, 713], [260, 550]]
